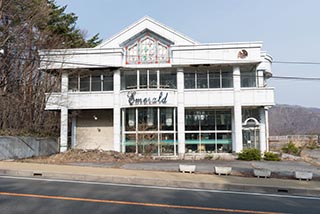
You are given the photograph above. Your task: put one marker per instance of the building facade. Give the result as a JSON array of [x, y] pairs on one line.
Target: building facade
[[152, 90]]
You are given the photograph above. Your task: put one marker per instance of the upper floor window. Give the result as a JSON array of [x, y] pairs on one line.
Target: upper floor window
[[208, 78], [96, 81], [147, 48], [248, 76], [145, 78]]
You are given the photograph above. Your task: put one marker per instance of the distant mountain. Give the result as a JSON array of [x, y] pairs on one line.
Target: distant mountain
[[294, 120]]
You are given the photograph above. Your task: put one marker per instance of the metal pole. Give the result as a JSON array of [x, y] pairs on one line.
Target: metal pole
[[200, 132]]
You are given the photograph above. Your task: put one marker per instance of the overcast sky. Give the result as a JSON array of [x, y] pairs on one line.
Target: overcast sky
[[289, 29]]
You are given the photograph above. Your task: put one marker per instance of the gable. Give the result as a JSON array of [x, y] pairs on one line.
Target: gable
[[142, 25], [147, 47]]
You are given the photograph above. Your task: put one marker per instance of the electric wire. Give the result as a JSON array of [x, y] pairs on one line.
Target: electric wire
[[105, 65]]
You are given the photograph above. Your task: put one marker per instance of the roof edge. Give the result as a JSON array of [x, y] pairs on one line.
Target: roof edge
[[145, 18]]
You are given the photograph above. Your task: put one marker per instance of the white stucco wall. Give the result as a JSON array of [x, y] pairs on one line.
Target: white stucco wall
[[94, 130]]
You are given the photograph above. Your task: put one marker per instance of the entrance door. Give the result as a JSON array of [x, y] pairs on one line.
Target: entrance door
[[251, 138]]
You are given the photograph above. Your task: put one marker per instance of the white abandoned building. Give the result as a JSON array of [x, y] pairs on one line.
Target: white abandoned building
[[150, 89]]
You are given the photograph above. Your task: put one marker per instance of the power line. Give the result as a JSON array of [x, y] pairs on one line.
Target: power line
[[296, 78], [189, 58], [297, 62], [101, 66]]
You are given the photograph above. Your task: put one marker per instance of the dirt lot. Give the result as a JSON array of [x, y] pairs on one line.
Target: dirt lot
[[99, 156], [93, 156]]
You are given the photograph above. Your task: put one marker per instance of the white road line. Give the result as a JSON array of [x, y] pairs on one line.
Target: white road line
[[164, 188]]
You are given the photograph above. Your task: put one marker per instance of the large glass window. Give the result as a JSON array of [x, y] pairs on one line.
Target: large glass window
[[227, 79], [148, 79], [191, 120], [149, 135], [190, 79], [96, 81], [143, 79], [209, 78], [223, 120], [128, 80], [168, 79], [74, 83], [85, 83], [214, 79], [153, 77], [130, 119], [108, 82], [166, 119], [208, 130], [147, 119], [147, 143], [248, 76], [200, 120], [202, 79], [167, 143]]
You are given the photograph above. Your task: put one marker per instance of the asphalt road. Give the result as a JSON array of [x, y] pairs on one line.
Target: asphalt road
[[20, 195]]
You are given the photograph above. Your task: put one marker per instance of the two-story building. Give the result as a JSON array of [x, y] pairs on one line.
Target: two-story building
[[150, 89]]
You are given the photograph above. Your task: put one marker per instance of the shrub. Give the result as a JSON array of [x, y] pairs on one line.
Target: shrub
[[208, 157], [290, 148], [313, 145], [250, 154], [269, 156]]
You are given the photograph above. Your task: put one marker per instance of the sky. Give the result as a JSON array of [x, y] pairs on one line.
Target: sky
[[289, 30]]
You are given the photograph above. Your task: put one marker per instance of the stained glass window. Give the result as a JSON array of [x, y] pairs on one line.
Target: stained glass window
[[146, 50], [132, 54], [163, 53]]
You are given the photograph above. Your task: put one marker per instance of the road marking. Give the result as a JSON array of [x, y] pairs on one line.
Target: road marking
[[133, 203], [165, 188]]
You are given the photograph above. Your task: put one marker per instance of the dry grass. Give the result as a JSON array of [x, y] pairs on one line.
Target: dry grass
[[89, 156]]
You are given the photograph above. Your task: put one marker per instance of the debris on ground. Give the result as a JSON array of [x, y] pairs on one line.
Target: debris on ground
[[93, 156]]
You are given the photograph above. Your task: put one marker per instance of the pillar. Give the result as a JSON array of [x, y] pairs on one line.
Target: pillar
[[116, 111], [180, 112], [260, 78], [263, 139], [237, 112], [73, 131], [64, 113]]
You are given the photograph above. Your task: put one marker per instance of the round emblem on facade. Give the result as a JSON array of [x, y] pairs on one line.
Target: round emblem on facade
[[242, 54]]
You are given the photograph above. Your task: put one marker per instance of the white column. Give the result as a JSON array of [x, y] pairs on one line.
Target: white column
[[180, 113], [116, 111], [237, 111], [266, 114], [260, 79], [64, 113], [263, 139], [73, 131], [123, 138]]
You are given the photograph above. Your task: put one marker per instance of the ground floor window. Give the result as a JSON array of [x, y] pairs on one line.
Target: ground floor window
[[150, 130], [208, 130]]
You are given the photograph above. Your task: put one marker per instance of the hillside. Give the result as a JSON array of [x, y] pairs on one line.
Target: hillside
[[294, 120]]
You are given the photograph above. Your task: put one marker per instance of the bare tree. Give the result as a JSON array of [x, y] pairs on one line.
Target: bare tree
[[25, 28]]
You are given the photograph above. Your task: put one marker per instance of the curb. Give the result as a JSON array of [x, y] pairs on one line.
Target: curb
[[162, 182]]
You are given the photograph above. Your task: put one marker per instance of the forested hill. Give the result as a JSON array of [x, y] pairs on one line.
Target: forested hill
[[294, 120]]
